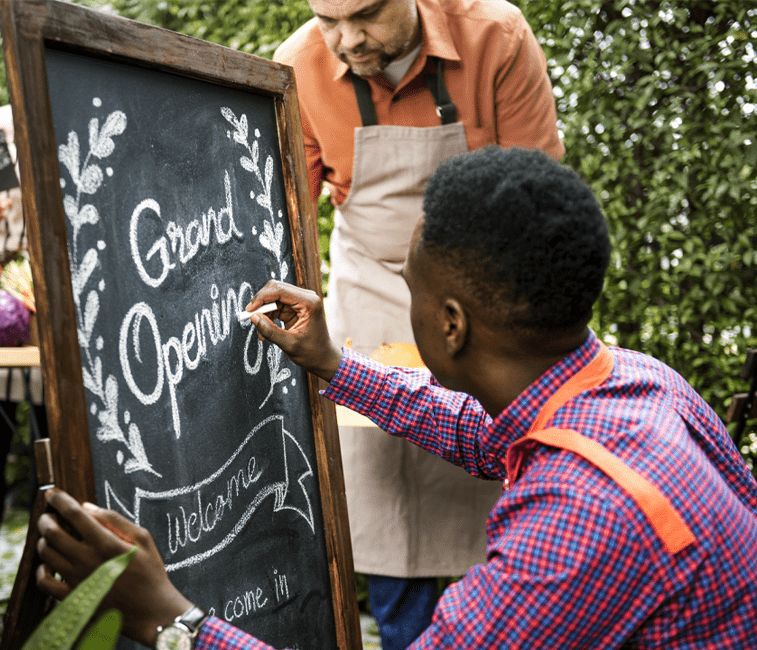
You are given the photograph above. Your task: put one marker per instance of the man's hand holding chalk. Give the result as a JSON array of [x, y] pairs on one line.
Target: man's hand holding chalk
[[263, 309], [304, 337]]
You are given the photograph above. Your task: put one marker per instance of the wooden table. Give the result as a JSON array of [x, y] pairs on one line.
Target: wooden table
[[23, 356]]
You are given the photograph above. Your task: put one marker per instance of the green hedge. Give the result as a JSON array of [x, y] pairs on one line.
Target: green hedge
[[658, 106], [253, 26]]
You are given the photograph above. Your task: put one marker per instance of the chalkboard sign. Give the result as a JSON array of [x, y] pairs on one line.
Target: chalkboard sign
[[164, 183]]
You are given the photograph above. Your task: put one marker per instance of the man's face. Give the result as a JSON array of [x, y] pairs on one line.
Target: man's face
[[367, 34]]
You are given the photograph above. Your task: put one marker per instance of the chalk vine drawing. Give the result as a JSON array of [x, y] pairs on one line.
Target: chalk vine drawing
[[272, 237], [87, 177]]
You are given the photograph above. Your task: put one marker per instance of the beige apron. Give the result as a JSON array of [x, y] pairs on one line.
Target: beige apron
[[411, 513]]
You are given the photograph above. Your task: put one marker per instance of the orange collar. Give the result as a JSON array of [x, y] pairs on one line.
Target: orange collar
[[592, 374]]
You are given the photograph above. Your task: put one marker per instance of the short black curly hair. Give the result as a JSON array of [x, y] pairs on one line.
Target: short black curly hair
[[523, 233]]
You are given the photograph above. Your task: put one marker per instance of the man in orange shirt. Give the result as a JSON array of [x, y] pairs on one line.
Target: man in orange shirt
[[387, 90]]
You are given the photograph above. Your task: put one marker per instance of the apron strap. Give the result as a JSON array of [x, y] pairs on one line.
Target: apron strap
[[445, 107], [668, 524], [591, 375], [364, 101]]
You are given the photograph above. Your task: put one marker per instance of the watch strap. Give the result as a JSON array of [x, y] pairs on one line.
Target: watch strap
[[193, 618]]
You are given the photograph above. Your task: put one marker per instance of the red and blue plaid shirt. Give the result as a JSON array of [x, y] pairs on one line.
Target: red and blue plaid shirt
[[572, 561]]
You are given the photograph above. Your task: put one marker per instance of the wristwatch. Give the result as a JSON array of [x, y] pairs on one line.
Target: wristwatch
[[181, 634]]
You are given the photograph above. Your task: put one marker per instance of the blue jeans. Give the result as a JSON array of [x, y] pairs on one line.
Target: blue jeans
[[402, 608]]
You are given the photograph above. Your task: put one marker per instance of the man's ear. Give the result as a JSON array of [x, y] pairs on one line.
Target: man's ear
[[455, 326]]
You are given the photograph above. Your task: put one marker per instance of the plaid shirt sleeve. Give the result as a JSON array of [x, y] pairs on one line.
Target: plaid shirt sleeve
[[411, 404], [219, 635]]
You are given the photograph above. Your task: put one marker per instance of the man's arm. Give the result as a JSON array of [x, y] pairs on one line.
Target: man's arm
[[410, 403], [525, 103], [407, 403]]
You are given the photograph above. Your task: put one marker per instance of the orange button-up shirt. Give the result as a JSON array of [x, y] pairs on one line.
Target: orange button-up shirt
[[495, 71]]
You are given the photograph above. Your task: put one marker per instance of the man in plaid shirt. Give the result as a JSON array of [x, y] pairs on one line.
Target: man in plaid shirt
[[629, 520]]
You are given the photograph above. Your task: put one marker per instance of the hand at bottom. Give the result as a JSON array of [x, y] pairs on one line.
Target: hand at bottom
[[143, 593]]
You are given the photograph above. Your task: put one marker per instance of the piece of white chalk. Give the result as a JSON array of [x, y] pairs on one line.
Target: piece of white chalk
[[264, 309]]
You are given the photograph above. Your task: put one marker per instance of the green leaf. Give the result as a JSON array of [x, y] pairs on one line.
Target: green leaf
[[103, 633], [60, 629]]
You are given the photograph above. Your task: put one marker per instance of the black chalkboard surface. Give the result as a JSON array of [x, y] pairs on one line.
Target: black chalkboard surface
[[178, 170], [199, 431]]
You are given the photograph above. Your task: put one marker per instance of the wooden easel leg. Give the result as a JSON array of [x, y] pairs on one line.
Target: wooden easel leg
[[28, 605]]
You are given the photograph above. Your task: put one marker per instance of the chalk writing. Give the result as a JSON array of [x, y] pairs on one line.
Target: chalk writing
[[178, 244], [249, 602], [233, 493], [188, 241], [255, 598], [211, 325], [183, 529], [281, 585]]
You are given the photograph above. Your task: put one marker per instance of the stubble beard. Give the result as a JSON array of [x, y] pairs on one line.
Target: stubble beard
[[374, 67]]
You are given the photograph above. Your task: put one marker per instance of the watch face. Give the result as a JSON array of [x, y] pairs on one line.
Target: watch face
[[174, 638]]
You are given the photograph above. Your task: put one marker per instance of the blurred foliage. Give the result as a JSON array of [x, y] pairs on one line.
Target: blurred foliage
[[657, 102], [18, 466], [4, 94], [325, 227], [254, 26], [361, 584]]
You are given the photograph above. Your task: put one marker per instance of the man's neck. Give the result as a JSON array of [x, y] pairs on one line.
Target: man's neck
[[496, 377]]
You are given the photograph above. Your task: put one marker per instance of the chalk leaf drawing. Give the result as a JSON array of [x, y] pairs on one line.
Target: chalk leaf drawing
[[272, 237], [101, 140], [277, 375], [87, 177]]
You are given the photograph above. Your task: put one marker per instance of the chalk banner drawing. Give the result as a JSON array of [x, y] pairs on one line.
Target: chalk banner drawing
[[173, 195]]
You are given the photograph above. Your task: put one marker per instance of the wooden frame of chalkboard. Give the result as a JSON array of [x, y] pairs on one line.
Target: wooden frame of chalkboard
[[46, 39]]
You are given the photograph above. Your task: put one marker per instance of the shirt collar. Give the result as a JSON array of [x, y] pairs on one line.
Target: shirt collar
[[437, 41], [435, 37], [515, 420]]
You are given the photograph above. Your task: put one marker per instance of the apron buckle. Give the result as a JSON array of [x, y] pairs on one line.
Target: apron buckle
[[447, 113]]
